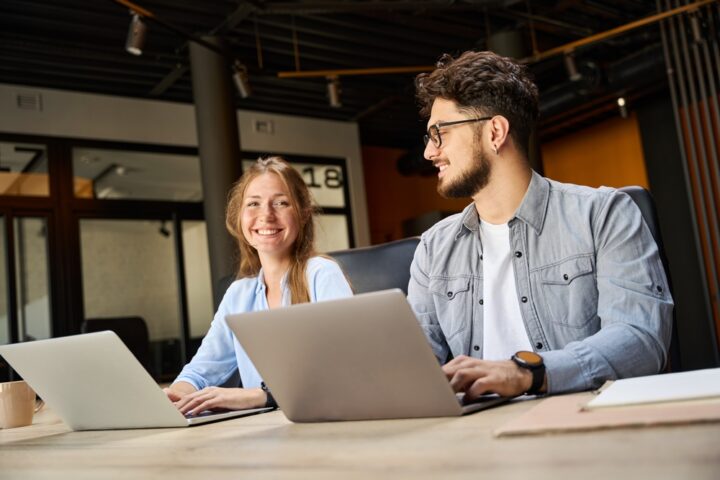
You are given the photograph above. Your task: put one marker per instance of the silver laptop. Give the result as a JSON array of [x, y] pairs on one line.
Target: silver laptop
[[93, 382], [358, 358]]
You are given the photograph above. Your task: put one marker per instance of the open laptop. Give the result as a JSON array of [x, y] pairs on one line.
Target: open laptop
[[358, 358], [93, 382]]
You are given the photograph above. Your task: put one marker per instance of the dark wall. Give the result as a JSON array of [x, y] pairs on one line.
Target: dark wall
[[698, 347]]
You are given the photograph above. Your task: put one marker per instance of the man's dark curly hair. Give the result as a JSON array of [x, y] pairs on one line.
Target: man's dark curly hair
[[487, 84]]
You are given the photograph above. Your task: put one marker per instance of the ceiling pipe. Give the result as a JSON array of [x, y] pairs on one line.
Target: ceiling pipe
[[639, 69], [562, 49]]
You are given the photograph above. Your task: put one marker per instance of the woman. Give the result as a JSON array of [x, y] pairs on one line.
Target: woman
[[270, 214]]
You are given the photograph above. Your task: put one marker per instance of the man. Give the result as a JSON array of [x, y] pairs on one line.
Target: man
[[537, 286]]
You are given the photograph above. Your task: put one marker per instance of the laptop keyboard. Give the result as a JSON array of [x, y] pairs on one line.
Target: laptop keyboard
[[205, 413], [482, 399]]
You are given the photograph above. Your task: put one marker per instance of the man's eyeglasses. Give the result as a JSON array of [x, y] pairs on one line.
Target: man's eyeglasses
[[433, 132]]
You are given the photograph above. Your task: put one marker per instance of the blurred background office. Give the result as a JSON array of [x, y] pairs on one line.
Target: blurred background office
[[123, 124]]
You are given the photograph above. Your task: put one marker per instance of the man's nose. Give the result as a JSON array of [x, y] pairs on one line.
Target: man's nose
[[430, 151]]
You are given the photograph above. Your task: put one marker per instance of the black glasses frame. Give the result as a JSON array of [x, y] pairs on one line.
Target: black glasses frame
[[434, 130]]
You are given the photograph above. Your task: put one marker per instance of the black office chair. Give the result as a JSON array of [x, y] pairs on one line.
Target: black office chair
[[378, 267], [132, 331], [643, 199]]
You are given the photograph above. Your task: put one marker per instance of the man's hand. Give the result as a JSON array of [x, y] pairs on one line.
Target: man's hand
[[217, 398], [476, 377], [177, 390]]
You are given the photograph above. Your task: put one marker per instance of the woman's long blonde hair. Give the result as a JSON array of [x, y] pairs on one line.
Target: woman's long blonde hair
[[304, 246]]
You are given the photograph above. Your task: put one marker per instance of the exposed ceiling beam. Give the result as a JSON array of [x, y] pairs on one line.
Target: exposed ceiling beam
[[314, 8]]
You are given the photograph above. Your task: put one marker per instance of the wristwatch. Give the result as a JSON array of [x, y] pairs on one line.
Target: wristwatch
[[270, 402], [533, 362]]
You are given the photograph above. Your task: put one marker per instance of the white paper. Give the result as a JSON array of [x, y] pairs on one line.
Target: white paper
[[666, 387]]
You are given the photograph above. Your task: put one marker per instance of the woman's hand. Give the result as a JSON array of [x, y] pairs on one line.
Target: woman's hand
[[217, 398]]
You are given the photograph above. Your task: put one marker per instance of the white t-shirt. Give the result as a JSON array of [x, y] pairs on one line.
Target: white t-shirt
[[503, 328]]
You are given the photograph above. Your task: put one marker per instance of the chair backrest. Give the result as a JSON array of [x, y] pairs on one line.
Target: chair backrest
[[378, 267], [132, 331], [643, 199]]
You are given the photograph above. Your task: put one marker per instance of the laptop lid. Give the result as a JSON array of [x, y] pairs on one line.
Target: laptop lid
[[93, 382], [358, 358]]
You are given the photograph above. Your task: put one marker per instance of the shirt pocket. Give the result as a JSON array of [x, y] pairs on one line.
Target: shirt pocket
[[452, 298], [569, 291]]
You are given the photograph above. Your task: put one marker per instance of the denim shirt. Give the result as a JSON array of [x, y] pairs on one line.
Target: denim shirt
[[220, 353], [590, 284]]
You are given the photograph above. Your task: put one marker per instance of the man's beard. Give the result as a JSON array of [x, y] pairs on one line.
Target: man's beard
[[470, 181]]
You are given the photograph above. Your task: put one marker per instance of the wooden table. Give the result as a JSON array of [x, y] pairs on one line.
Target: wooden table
[[269, 446]]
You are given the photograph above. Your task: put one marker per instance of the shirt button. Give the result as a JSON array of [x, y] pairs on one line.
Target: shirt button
[[539, 346], [659, 289], [476, 348], [518, 254], [565, 276], [523, 299], [449, 294], [481, 257], [482, 302]]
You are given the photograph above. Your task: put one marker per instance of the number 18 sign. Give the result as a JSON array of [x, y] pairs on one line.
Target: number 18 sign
[[326, 182]]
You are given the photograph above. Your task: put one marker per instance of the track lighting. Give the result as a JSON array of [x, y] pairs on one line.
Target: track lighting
[[622, 107], [573, 73], [163, 230], [333, 87], [240, 77], [136, 35]]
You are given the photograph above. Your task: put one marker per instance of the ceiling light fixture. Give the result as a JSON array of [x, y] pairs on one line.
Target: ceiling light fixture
[[571, 67], [622, 107], [138, 30], [333, 91], [240, 77], [136, 35]]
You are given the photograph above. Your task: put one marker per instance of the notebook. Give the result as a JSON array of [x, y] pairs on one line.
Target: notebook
[[358, 358], [666, 387], [93, 382]]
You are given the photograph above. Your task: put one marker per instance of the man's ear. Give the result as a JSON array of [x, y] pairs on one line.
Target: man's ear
[[499, 132]]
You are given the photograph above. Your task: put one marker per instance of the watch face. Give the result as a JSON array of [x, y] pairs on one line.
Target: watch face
[[531, 358]]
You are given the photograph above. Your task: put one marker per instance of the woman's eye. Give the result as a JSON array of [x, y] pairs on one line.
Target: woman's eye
[[282, 203], [252, 204]]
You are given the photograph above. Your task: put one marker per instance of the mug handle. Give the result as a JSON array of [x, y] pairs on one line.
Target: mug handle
[[39, 404]]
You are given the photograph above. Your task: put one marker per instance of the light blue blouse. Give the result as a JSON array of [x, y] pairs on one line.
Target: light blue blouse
[[220, 352]]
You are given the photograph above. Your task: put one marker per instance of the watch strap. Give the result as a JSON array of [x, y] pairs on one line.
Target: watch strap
[[270, 402], [538, 379]]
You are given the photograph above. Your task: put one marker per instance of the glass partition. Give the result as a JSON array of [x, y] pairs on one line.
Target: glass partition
[[32, 278], [122, 174], [4, 317], [129, 270], [198, 281], [23, 170], [331, 232]]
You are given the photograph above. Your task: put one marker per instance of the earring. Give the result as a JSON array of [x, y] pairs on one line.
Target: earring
[[495, 149]]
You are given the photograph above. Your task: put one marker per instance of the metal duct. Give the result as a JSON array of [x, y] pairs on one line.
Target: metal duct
[[637, 70]]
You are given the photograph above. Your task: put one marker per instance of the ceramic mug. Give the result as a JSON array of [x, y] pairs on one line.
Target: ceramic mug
[[18, 404]]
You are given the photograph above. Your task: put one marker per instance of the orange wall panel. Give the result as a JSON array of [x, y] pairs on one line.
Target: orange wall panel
[[608, 153], [393, 198]]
